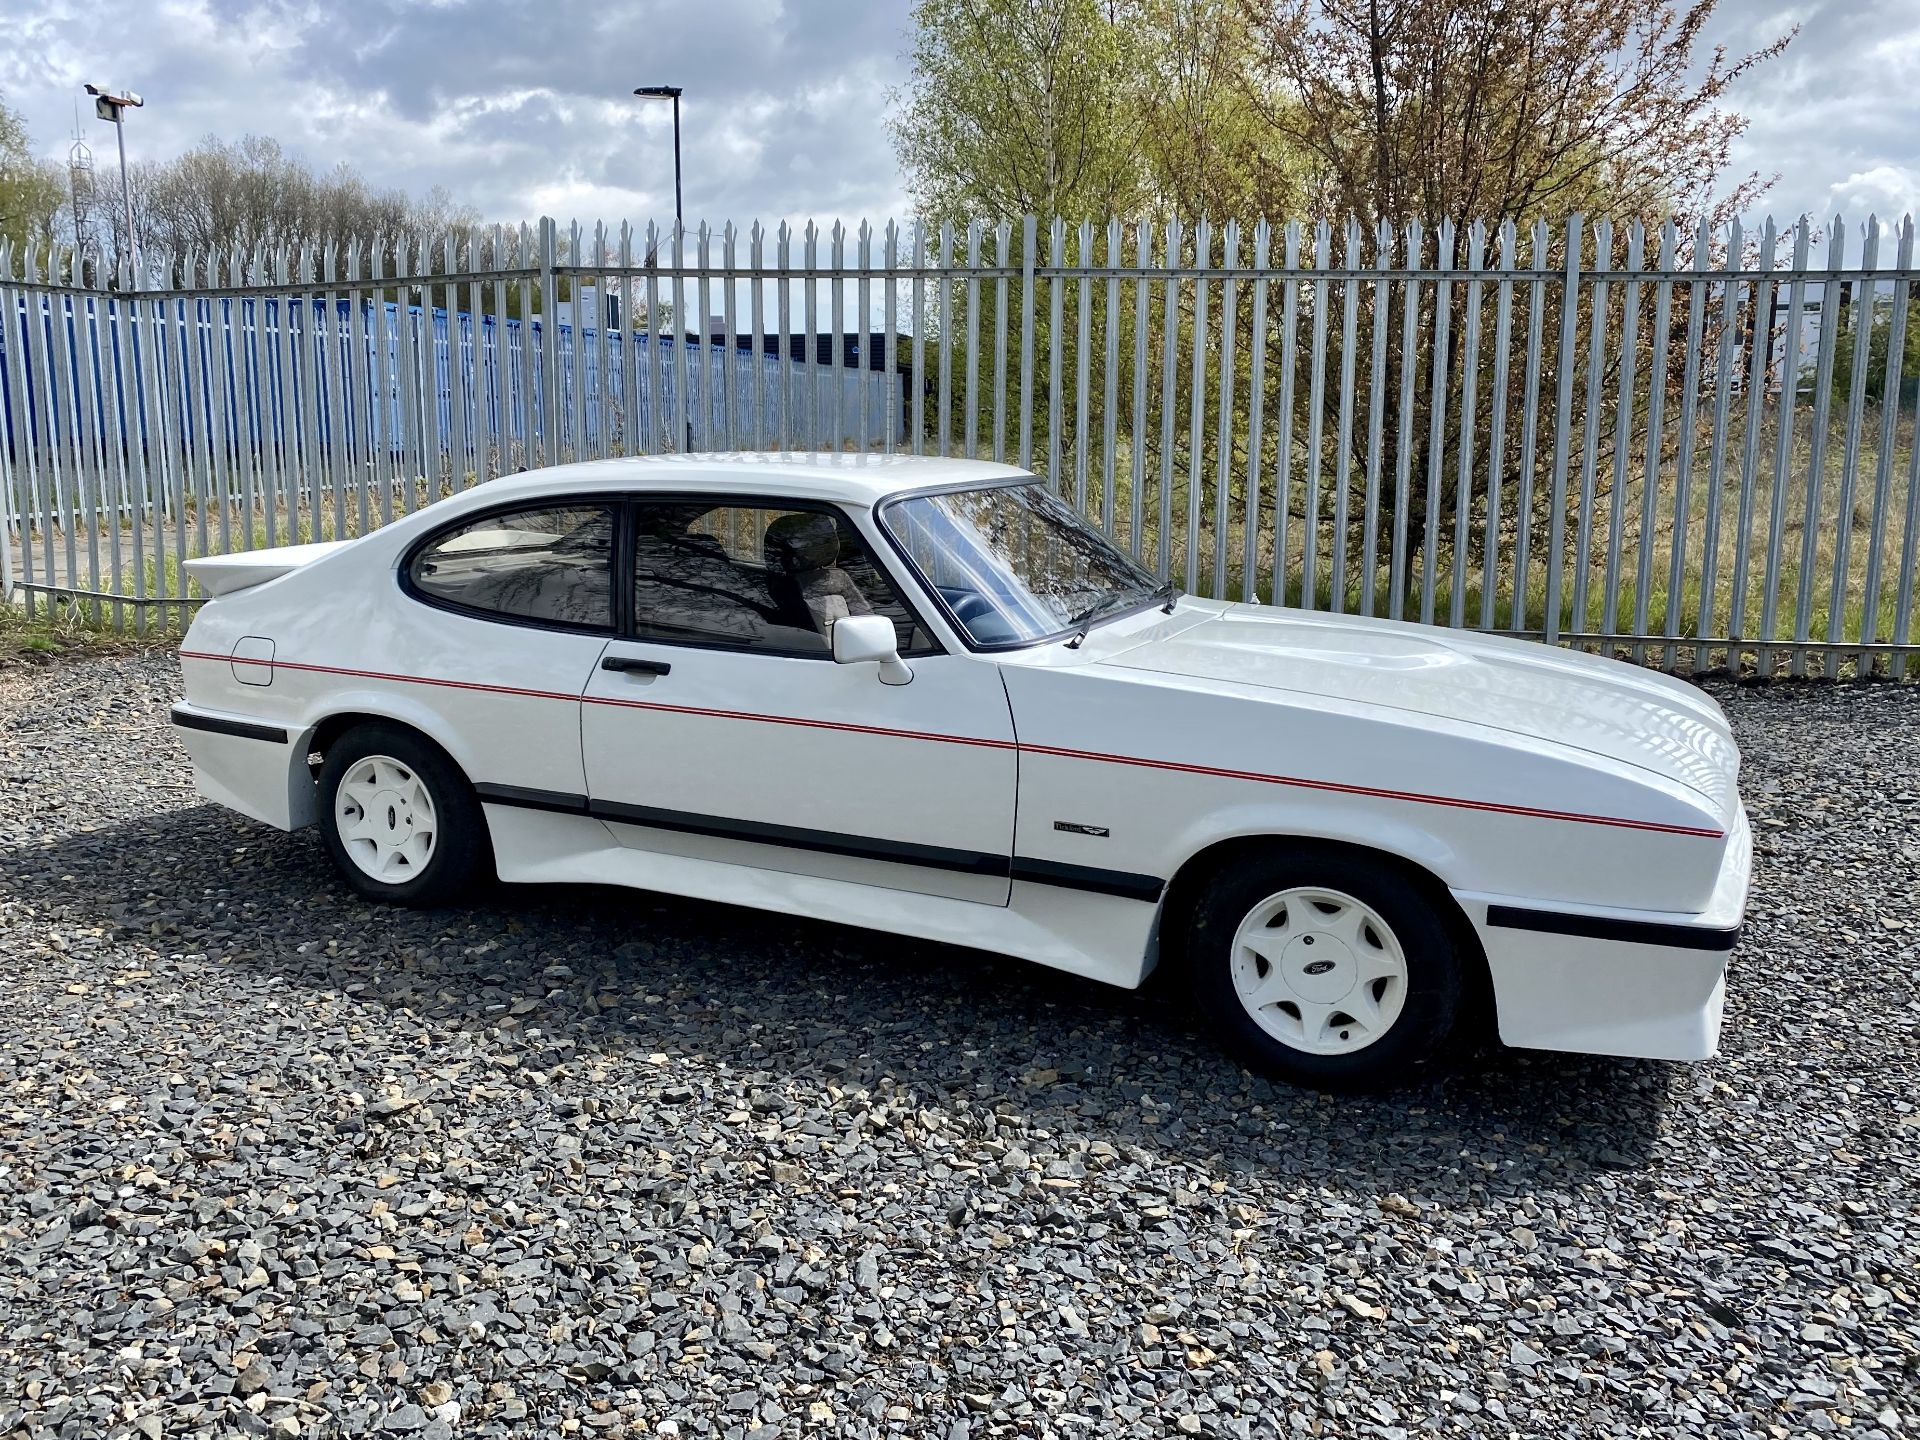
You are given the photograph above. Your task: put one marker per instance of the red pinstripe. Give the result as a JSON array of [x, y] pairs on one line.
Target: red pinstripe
[[1299, 782], [1373, 791]]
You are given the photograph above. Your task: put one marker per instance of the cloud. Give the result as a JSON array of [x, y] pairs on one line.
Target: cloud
[[1888, 191], [514, 107], [1834, 117]]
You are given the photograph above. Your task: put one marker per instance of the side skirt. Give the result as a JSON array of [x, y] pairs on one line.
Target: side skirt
[[1079, 931], [1119, 883]]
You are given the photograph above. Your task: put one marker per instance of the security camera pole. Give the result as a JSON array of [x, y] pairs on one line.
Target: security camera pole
[[111, 107]]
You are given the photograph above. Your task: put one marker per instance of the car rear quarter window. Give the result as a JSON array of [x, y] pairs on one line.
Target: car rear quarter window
[[544, 565]]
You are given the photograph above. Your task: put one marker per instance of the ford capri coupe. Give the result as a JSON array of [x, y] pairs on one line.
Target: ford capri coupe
[[924, 696]]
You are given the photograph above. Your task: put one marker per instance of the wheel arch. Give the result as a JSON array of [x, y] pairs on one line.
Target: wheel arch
[[346, 715], [1173, 923]]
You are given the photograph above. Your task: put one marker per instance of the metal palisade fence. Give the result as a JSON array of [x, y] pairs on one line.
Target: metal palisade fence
[[1695, 448]]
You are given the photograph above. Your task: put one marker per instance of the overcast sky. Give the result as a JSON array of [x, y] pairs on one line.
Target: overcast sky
[[522, 107]]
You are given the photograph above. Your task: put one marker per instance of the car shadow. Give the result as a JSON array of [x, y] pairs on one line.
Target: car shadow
[[554, 971]]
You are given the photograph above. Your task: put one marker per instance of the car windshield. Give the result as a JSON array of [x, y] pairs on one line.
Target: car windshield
[[1014, 563]]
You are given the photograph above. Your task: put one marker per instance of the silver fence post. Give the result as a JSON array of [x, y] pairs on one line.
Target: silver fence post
[[1783, 447], [1256, 417], [1376, 415], [1056, 351], [1469, 416], [1759, 344], [10, 521], [1862, 308], [970, 432], [1437, 415], [1590, 443], [1811, 515], [1316, 411], [1497, 429], [1283, 444], [1343, 433], [945, 397], [1223, 426], [1716, 453], [1169, 351], [1562, 424], [1403, 468], [1029, 258], [1083, 321], [1883, 469], [1197, 402]]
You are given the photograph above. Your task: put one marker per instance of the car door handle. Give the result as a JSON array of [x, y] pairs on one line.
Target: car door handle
[[633, 664]]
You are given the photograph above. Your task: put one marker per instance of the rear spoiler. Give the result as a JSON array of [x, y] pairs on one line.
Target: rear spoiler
[[224, 574]]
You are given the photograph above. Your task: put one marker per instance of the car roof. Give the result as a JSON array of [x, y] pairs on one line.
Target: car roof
[[854, 479]]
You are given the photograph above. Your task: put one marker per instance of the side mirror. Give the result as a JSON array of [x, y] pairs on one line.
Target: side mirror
[[859, 638]]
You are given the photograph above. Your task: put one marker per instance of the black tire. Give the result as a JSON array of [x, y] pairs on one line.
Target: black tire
[[460, 853], [1429, 997]]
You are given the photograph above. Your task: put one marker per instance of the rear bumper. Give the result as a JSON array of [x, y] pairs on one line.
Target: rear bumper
[[253, 766], [1615, 982]]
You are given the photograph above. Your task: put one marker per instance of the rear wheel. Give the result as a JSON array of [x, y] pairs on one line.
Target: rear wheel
[[1328, 969], [400, 821]]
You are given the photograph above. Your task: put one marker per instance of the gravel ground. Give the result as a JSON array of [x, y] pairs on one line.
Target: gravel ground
[[581, 1161]]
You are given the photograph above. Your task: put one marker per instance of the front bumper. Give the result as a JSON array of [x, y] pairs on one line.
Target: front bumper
[[1603, 981]]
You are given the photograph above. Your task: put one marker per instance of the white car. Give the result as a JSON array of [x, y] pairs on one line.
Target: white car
[[923, 696]]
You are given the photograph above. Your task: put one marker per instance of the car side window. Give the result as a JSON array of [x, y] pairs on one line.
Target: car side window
[[546, 564], [756, 577]]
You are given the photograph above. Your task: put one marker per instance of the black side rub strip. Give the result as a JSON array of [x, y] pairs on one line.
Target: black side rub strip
[[525, 799], [213, 724], [1600, 927], [1086, 877], [894, 852], [933, 857]]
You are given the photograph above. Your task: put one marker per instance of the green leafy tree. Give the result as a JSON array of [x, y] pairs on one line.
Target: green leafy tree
[[1018, 108], [31, 191]]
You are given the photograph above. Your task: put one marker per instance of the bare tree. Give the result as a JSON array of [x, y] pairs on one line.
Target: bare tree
[[1493, 110], [237, 196]]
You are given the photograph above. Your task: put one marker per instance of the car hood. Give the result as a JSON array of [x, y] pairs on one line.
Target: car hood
[[1603, 707]]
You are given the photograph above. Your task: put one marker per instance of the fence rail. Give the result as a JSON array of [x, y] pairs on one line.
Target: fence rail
[[1697, 448]]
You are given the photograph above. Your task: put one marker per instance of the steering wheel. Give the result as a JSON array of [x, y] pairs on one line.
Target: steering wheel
[[968, 605]]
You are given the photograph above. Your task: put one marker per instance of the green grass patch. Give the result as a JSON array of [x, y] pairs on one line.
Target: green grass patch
[[62, 631]]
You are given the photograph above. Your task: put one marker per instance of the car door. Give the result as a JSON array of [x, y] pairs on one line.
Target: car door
[[720, 726]]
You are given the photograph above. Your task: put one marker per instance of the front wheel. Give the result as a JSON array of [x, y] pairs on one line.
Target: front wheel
[[400, 821], [1328, 969]]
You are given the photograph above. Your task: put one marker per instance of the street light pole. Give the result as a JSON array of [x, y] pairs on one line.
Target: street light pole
[[678, 218], [673, 93]]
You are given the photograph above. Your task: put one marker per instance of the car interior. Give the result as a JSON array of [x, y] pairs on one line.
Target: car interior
[[769, 579]]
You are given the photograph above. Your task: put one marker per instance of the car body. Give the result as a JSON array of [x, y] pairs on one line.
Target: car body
[[1056, 796]]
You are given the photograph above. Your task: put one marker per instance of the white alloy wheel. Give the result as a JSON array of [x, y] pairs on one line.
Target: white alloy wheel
[[1319, 971], [386, 820]]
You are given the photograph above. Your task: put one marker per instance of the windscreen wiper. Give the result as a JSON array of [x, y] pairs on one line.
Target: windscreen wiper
[[1083, 622]]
